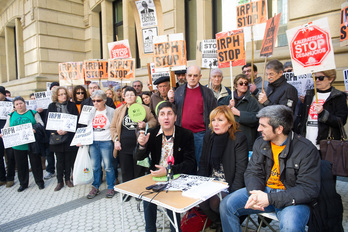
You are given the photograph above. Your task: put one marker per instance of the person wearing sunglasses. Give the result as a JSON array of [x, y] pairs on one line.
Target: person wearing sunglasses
[[317, 118], [102, 147], [79, 94], [123, 132], [65, 153], [244, 108], [278, 92]]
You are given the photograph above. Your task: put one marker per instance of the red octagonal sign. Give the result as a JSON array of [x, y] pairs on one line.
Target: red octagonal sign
[[310, 46], [120, 51]]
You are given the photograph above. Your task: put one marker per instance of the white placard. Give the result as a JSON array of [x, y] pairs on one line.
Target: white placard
[[87, 114], [18, 135], [147, 13], [302, 82], [43, 99], [119, 49], [30, 104], [345, 78], [6, 108], [155, 75], [83, 136], [61, 121], [209, 54]]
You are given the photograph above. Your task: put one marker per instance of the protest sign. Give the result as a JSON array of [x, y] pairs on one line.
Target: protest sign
[[345, 78], [119, 49], [61, 121], [270, 36], [311, 47], [43, 99], [6, 108], [18, 135], [169, 52], [301, 82], [230, 47], [87, 114], [83, 136], [96, 70], [148, 34], [147, 12], [71, 73], [344, 24], [30, 104], [251, 13], [121, 69], [209, 53], [137, 112]]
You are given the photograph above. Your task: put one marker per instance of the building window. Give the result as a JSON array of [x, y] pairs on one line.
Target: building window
[[118, 20], [191, 28], [217, 16], [275, 7]]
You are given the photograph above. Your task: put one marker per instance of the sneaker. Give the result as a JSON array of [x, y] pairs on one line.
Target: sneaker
[[110, 193], [94, 192], [9, 184], [49, 175]]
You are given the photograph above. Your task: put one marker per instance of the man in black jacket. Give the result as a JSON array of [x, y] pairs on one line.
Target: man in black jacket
[[283, 175], [278, 92], [164, 141]]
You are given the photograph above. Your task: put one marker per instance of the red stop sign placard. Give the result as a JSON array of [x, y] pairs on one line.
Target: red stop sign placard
[[310, 46], [120, 51]]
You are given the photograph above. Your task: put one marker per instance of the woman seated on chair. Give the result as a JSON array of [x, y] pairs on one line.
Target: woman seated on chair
[[224, 157]]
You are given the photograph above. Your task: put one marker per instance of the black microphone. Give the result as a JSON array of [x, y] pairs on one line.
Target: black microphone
[[170, 162]]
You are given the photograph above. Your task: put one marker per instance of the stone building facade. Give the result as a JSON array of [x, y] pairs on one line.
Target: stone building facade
[[36, 35]]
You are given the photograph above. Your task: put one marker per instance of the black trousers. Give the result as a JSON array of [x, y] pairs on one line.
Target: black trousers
[[6, 175], [65, 163], [129, 168], [21, 158]]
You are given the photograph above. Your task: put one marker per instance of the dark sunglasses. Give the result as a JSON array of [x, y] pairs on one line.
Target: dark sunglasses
[[80, 92], [97, 100], [290, 70], [243, 83], [320, 78]]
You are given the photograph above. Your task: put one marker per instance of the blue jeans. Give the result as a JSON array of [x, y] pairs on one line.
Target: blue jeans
[[198, 139], [291, 218], [150, 213], [102, 151]]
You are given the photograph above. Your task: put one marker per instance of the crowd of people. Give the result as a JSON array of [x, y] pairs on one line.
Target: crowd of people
[[209, 130]]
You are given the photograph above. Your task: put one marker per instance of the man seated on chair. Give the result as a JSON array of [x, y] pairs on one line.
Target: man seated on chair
[[283, 175], [163, 141]]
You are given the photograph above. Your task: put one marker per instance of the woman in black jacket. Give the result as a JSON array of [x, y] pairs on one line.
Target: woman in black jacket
[[65, 153], [316, 118], [224, 156]]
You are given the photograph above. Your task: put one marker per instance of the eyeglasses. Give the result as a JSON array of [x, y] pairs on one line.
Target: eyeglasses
[[129, 95], [80, 92], [243, 83], [289, 70], [320, 78], [99, 100]]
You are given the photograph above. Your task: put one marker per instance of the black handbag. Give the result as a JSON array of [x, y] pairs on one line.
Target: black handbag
[[56, 139], [336, 152]]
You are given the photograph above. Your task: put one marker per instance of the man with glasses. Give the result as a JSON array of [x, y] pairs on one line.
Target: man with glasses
[[279, 92], [256, 87], [91, 89], [220, 91], [138, 86]]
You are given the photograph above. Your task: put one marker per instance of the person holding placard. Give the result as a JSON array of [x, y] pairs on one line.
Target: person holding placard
[[278, 92], [60, 140], [79, 95], [244, 108], [163, 86], [123, 132], [224, 157], [22, 116], [219, 90], [102, 147], [317, 118], [180, 77], [194, 103]]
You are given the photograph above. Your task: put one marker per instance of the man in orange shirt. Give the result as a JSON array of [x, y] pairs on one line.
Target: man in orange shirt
[[283, 175]]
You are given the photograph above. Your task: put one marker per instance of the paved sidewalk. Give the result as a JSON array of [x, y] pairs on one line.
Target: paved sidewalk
[[70, 210]]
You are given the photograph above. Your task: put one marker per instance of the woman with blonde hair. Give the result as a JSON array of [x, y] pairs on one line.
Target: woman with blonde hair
[[224, 157]]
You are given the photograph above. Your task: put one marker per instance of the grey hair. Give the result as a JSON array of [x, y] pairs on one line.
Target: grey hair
[[199, 68], [216, 70], [276, 65], [99, 93], [141, 83], [278, 115], [287, 64]]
